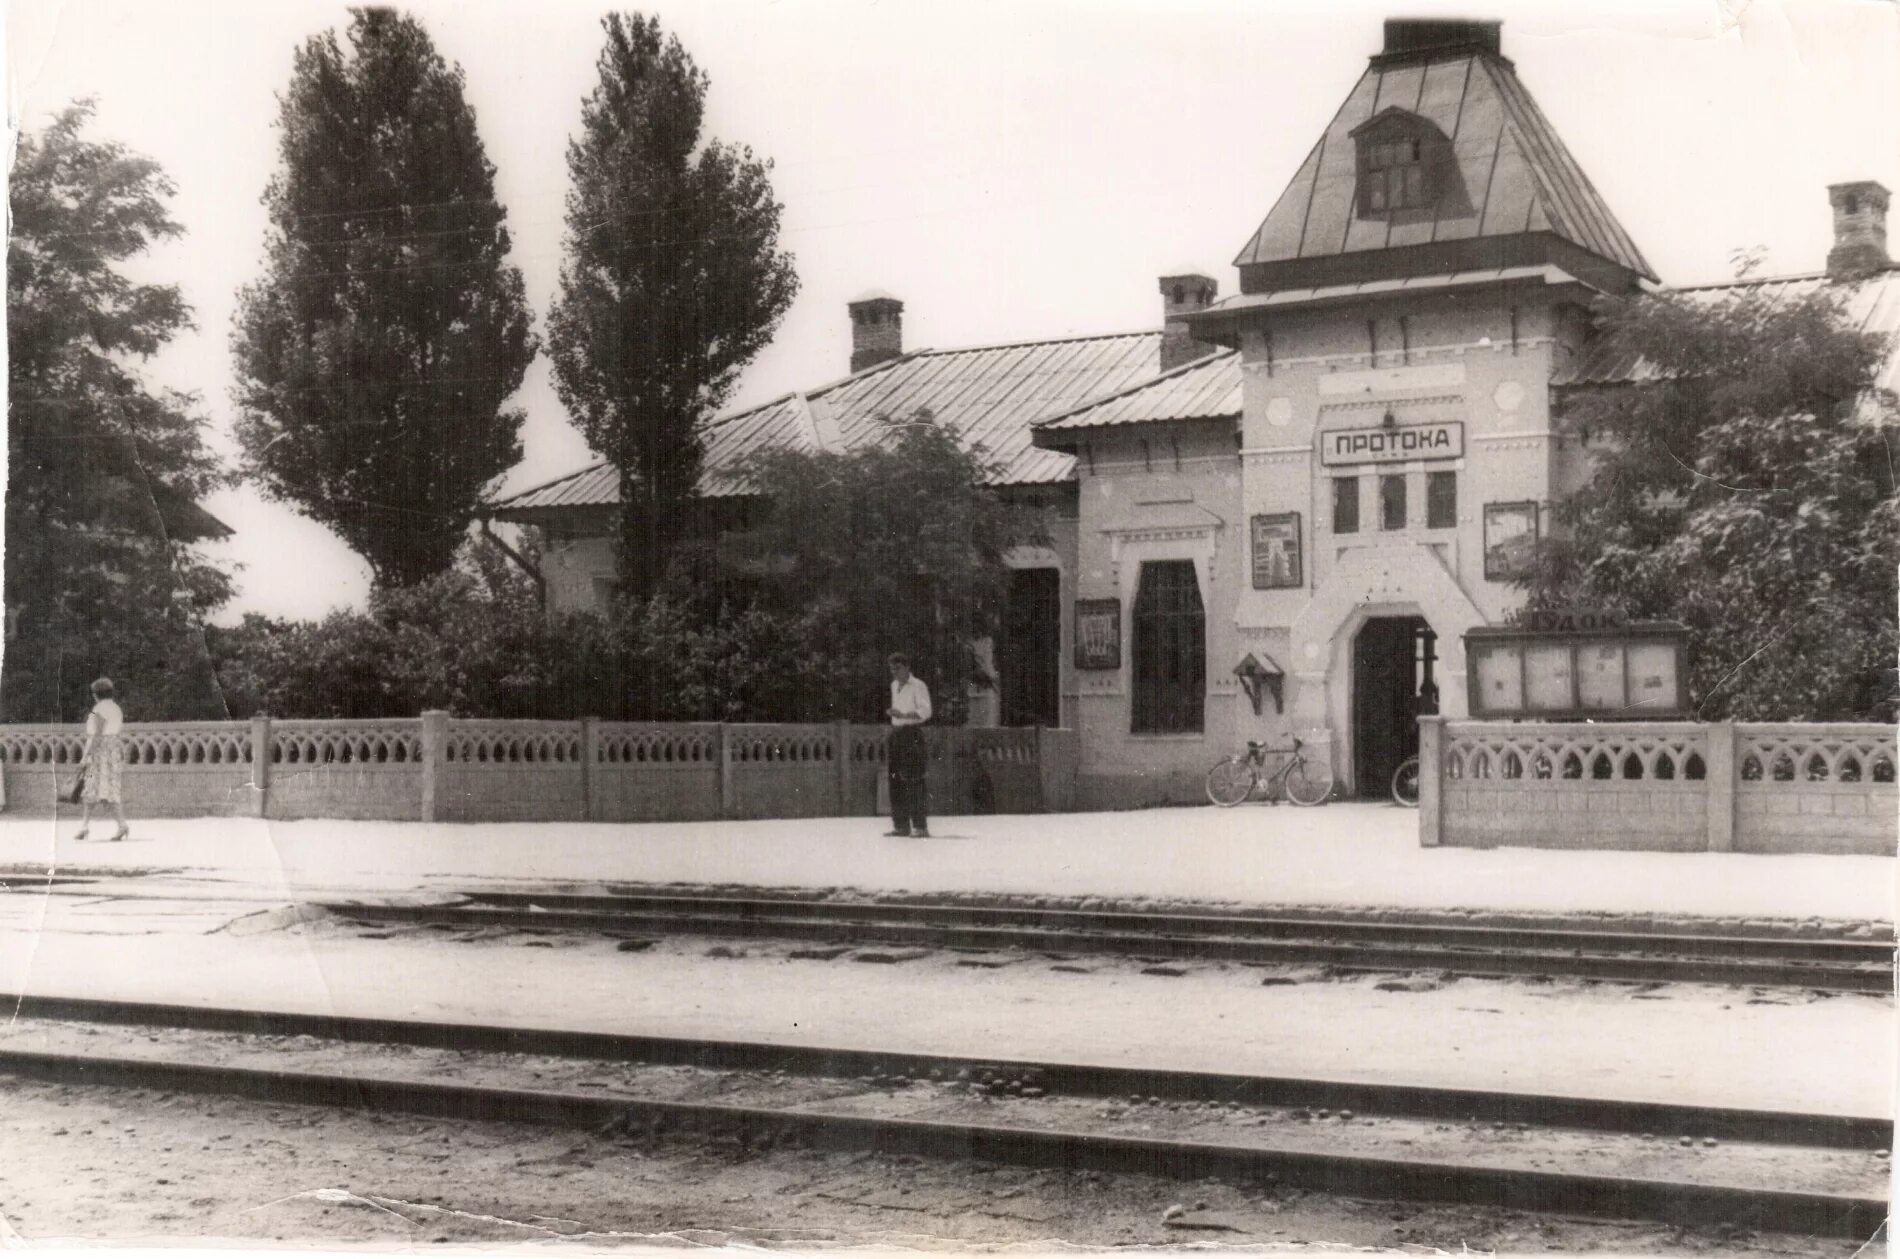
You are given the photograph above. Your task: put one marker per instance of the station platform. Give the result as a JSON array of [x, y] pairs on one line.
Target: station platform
[[216, 912], [1365, 856]]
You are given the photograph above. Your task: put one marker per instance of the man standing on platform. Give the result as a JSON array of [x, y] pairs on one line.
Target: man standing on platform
[[909, 710]]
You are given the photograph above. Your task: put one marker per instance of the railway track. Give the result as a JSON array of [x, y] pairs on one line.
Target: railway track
[[1827, 964], [1816, 1174]]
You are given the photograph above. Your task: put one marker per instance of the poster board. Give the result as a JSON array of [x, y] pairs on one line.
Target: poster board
[[1098, 633], [1276, 552], [1611, 673]]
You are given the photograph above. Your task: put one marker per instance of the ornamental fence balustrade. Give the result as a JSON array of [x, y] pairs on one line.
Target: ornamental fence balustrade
[[437, 768], [1668, 786]]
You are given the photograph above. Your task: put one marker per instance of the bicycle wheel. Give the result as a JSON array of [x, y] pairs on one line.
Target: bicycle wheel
[[1230, 782], [1405, 783], [1308, 783]]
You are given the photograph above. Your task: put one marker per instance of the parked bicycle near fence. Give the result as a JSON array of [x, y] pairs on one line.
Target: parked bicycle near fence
[[1405, 782], [1303, 781]]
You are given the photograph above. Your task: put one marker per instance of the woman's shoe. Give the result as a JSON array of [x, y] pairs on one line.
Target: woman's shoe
[[121, 835], [80, 838]]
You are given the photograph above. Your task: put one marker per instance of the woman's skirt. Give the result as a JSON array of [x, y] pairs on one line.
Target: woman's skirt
[[107, 768]]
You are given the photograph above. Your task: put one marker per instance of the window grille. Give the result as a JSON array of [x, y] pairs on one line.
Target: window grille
[[1170, 650]]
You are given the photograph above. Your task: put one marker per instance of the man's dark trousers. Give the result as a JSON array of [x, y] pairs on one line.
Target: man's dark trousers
[[909, 792]]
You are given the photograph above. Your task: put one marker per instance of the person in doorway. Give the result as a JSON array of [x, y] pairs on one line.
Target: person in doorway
[[102, 764], [909, 710]]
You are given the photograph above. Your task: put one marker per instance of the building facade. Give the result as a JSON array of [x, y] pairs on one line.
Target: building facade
[[1278, 516]]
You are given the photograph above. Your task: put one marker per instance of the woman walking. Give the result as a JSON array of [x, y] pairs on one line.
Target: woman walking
[[102, 764]]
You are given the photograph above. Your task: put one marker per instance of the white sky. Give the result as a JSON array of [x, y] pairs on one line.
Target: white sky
[[1011, 170]]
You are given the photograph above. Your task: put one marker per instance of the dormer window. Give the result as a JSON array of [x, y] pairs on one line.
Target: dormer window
[[1394, 177], [1399, 153]]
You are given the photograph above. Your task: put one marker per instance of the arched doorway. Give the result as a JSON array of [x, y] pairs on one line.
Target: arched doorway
[[1394, 663]]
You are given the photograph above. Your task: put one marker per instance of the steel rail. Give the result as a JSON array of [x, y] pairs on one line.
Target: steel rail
[[1078, 1079], [1678, 1202], [1268, 925], [867, 924]]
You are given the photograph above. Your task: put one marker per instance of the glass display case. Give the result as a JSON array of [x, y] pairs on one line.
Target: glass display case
[[1637, 672]]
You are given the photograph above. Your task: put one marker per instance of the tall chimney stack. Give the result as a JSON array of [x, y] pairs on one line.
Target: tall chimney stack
[[1183, 294], [877, 330], [1860, 230]]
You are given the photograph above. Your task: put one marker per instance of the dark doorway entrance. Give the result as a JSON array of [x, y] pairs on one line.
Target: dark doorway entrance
[[1393, 659], [1029, 664]]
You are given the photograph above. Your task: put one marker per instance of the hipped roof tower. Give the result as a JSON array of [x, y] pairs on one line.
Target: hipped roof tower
[[1438, 162]]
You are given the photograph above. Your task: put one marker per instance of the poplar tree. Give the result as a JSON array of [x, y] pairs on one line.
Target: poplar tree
[[673, 281], [377, 352]]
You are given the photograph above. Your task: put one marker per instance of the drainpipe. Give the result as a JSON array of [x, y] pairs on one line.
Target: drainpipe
[[534, 574]]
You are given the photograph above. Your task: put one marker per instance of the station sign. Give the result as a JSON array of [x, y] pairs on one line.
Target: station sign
[[1401, 444]]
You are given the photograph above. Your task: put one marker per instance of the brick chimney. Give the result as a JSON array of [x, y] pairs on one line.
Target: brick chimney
[[1427, 39], [1183, 294], [877, 330], [1860, 230]]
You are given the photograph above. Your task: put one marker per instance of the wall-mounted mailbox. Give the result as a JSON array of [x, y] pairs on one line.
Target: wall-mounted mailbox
[[1636, 672]]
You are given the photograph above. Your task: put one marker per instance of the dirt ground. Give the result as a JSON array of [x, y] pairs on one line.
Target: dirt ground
[[96, 1164], [997, 1099]]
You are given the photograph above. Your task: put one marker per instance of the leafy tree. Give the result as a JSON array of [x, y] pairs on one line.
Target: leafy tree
[[379, 348], [103, 471], [673, 281], [850, 571], [1749, 492]]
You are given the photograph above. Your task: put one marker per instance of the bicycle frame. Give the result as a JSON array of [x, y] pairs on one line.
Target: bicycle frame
[[1274, 780]]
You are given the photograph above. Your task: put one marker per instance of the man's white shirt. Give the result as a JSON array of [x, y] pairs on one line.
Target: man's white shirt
[[910, 695]]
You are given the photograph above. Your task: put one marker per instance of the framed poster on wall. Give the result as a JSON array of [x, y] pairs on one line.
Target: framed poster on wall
[[1510, 537], [1276, 551], [1098, 633]]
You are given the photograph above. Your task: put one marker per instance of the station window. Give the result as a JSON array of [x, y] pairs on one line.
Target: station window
[[1170, 650], [1345, 504], [1441, 500], [1392, 502]]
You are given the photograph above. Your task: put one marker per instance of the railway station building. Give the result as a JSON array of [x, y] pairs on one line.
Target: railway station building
[[1279, 513]]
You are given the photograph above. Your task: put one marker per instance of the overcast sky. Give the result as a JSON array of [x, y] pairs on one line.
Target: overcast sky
[[1011, 170]]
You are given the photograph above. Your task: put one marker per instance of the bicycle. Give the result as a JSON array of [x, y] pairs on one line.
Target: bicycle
[[1235, 779], [1405, 783]]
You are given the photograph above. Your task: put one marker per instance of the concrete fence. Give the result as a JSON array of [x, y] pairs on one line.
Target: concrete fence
[[438, 768], [1668, 786]]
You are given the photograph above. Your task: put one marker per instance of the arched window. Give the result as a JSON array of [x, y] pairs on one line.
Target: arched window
[[1170, 650]]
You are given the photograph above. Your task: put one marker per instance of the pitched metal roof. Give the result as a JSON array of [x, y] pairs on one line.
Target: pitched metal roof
[[1510, 173], [1206, 389], [591, 486], [988, 395], [1871, 304]]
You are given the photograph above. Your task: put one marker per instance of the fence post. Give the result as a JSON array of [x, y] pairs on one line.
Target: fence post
[[1431, 757], [1056, 757], [435, 749], [1721, 770], [260, 764], [725, 770], [844, 768], [590, 758]]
